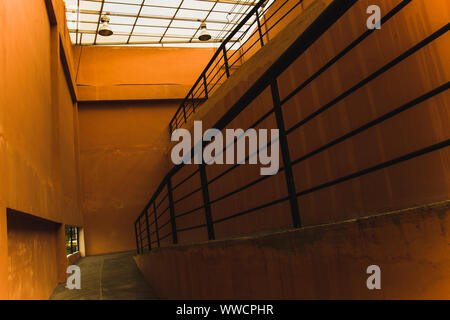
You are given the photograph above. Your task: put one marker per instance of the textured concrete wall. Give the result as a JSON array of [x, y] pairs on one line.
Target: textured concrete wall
[[32, 248], [137, 73], [36, 117], [123, 150], [38, 157], [324, 262]]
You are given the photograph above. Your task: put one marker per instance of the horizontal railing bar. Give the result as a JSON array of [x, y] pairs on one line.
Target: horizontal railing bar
[[162, 200], [409, 156], [347, 49], [375, 122], [230, 36], [187, 195], [189, 212], [252, 210], [192, 228], [162, 212], [248, 185], [217, 82], [163, 225], [164, 237], [373, 76], [265, 116], [257, 40], [281, 18]]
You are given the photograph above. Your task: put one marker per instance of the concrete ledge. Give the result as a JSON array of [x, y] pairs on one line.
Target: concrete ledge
[[73, 258], [321, 262], [136, 91]]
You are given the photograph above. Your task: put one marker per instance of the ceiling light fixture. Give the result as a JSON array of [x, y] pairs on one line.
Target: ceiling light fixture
[[105, 30], [204, 34]]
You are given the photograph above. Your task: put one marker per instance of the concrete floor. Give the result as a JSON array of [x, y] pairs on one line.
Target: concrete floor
[[108, 277]]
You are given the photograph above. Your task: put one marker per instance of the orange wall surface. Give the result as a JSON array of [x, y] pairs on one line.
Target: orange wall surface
[[127, 97], [123, 158], [414, 182], [137, 73], [33, 266], [38, 157], [36, 118], [324, 262]]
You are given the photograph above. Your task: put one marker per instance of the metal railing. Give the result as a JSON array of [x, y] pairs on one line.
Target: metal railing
[[249, 35], [148, 225]]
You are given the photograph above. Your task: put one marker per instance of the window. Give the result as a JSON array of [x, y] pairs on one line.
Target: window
[[72, 239]]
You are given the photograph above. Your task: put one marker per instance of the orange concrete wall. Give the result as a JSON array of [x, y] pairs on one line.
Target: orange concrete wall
[[414, 182], [137, 73], [123, 145], [36, 118], [38, 158], [33, 267], [325, 262], [123, 158]]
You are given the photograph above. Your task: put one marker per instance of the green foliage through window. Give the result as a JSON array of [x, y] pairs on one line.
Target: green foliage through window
[[72, 239]]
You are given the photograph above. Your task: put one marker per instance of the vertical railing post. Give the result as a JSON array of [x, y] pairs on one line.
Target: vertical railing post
[[172, 211], [156, 223], [137, 241], [205, 85], [78, 238], [140, 235], [225, 59], [285, 154], [206, 204], [184, 113], [148, 230], [193, 101], [71, 239], [259, 29]]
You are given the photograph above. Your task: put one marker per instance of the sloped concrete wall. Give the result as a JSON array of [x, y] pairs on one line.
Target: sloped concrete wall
[[123, 158], [322, 262]]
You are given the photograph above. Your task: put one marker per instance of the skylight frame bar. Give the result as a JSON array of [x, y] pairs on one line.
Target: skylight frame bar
[[233, 2], [163, 7], [211, 42], [129, 15], [234, 24], [150, 5], [135, 21], [138, 34], [99, 19], [173, 17], [144, 25], [78, 22]]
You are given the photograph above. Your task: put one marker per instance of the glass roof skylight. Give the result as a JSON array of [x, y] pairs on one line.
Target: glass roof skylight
[[155, 22]]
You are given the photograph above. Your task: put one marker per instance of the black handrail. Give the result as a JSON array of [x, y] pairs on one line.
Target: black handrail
[[269, 79], [222, 51]]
